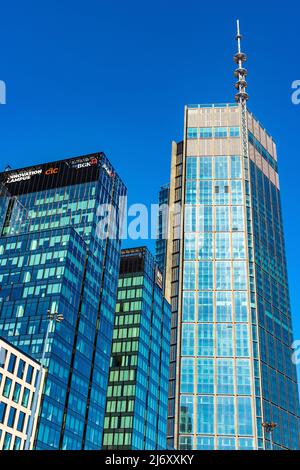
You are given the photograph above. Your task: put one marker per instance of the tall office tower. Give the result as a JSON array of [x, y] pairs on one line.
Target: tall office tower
[[137, 394], [161, 241], [232, 376], [56, 262]]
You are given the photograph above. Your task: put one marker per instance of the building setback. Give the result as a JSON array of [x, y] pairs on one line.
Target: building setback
[[137, 396], [231, 372], [18, 394], [54, 261]]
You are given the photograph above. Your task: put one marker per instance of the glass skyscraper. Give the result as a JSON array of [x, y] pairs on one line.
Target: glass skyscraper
[[137, 394], [54, 260], [226, 278]]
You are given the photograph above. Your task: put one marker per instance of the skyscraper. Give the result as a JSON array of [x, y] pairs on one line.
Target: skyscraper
[[137, 394], [56, 261], [231, 370]]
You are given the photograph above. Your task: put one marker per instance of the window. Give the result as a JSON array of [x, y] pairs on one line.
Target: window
[[223, 249], [205, 374], [205, 339], [238, 246], [17, 443], [12, 362], [29, 374], [189, 273], [205, 276], [2, 411], [205, 415], [242, 340], [188, 309], [236, 167], [239, 274], [188, 339], [224, 306], [220, 132], [7, 441], [205, 167], [243, 374], [244, 416], [25, 398], [21, 421], [225, 376], [225, 415], [234, 131], [187, 375], [3, 353], [186, 414], [191, 168], [191, 192], [205, 246], [7, 387], [206, 132], [205, 192], [21, 368], [192, 133], [223, 275], [16, 394], [221, 167], [205, 307], [224, 339], [11, 417], [222, 219]]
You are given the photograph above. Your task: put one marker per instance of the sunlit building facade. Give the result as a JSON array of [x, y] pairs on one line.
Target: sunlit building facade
[[55, 259], [226, 279], [20, 397], [137, 394]]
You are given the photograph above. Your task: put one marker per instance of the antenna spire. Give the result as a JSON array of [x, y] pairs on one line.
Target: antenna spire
[[241, 73]]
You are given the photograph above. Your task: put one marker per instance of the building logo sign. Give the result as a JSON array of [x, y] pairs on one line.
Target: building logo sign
[[51, 171], [23, 175], [83, 163]]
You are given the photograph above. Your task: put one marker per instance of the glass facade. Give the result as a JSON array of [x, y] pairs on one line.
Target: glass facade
[[52, 259], [227, 282], [137, 395], [161, 241]]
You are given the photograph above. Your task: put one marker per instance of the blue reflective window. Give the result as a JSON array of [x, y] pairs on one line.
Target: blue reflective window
[[206, 132], [220, 132], [225, 416], [188, 339], [234, 131], [244, 410], [205, 415], [205, 307], [192, 133]]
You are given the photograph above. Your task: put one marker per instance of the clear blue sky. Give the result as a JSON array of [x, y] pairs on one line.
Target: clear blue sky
[[84, 76]]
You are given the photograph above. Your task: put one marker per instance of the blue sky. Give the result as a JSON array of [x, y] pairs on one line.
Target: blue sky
[[85, 76]]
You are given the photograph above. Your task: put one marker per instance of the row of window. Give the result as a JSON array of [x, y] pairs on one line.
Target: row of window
[[7, 441], [219, 275], [220, 167], [7, 387], [221, 192], [219, 306], [209, 132], [221, 245], [208, 219], [16, 367], [9, 414], [221, 376], [209, 340], [233, 415]]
